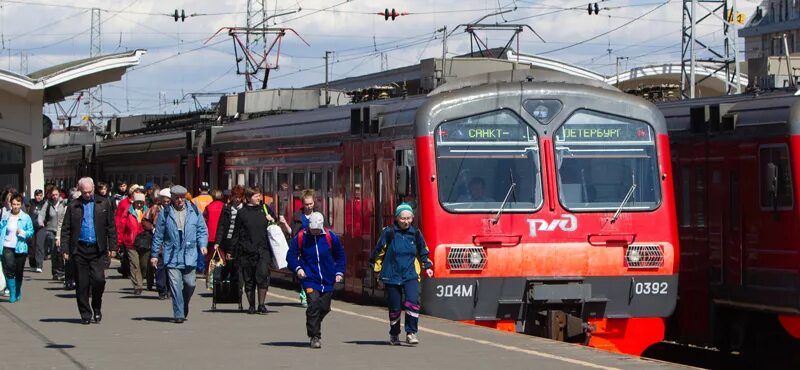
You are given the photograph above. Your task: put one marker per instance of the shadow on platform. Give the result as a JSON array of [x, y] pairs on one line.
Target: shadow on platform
[[286, 344]]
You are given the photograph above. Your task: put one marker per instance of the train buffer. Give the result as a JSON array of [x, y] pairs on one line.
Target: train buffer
[[43, 331]]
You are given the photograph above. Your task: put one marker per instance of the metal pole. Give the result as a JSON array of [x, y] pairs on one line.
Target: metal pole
[[327, 95], [691, 51], [788, 61], [617, 73], [735, 35], [444, 54]]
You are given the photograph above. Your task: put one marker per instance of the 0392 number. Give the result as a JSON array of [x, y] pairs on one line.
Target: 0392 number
[[651, 288]]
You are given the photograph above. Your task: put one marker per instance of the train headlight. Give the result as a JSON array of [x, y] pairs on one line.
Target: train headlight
[[466, 258], [639, 256], [475, 258], [634, 257]]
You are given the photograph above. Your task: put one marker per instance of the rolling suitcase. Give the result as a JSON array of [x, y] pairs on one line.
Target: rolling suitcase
[[226, 287]]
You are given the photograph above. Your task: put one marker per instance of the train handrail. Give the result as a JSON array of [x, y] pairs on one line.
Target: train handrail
[[599, 240], [501, 240]]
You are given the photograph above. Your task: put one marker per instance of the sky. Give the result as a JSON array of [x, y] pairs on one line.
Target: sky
[[185, 57]]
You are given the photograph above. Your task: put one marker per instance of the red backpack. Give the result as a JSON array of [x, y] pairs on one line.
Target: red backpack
[[303, 231]]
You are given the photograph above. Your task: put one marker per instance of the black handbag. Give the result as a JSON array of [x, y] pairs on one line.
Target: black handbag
[[143, 240]]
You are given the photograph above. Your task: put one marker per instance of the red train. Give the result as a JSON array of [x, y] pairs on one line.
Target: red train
[[734, 159], [547, 204]]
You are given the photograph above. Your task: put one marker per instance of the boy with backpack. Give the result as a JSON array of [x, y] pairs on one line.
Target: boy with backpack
[[317, 257]]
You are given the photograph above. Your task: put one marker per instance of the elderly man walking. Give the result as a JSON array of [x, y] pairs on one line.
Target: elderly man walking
[[180, 229], [89, 237]]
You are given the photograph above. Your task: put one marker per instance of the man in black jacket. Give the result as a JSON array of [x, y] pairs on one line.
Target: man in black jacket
[[90, 238]]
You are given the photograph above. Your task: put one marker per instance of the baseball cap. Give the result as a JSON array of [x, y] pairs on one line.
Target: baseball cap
[[204, 186], [138, 197], [165, 193], [316, 221]]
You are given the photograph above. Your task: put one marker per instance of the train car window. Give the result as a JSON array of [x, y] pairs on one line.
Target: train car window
[[299, 180], [686, 197], [357, 201], [348, 199], [240, 178], [269, 182], [253, 176], [329, 186], [315, 178], [478, 159], [700, 201], [606, 162], [776, 177], [227, 180], [283, 193]]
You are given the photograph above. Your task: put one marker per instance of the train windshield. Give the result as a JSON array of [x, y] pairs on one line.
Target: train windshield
[[480, 157], [606, 163]]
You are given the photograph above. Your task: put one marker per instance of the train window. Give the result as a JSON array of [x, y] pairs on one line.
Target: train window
[[686, 197], [776, 177], [315, 177], [283, 193], [329, 186], [227, 180], [700, 201], [486, 162], [240, 178], [269, 182], [253, 176], [606, 162], [299, 180]]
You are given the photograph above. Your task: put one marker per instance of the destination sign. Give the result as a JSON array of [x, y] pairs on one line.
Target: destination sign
[[475, 133], [604, 132]]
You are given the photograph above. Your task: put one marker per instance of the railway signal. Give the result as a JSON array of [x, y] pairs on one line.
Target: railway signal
[[393, 14], [593, 7]]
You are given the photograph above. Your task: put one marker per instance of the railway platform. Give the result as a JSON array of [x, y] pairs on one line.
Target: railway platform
[[43, 332]]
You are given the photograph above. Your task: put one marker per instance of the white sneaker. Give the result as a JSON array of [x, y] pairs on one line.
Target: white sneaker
[[38, 270], [411, 338], [5, 293], [394, 340]]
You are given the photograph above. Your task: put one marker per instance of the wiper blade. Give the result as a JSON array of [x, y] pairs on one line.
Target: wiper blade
[[624, 202], [505, 200]]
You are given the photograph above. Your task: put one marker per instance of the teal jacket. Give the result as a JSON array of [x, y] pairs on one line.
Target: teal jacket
[[24, 223]]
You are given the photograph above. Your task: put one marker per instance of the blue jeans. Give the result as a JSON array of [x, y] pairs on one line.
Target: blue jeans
[[161, 277], [181, 284], [201, 261], [396, 304]]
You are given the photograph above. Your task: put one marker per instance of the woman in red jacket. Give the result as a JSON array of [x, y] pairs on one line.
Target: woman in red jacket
[[131, 226], [211, 214]]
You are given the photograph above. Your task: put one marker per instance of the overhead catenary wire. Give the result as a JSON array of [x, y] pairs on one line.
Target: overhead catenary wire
[[605, 33]]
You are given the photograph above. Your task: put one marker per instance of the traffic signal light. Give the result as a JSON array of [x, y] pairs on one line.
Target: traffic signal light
[[182, 15], [595, 8]]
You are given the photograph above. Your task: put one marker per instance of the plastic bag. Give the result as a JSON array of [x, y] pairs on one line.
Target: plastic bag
[[279, 246]]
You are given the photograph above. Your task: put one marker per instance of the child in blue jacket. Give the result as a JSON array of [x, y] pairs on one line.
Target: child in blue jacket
[[317, 257]]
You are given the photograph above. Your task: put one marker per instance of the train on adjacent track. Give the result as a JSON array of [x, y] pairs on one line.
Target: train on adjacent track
[[547, 202], [734, 158]]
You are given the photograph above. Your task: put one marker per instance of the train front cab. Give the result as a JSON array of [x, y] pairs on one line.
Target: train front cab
[[548, 209]]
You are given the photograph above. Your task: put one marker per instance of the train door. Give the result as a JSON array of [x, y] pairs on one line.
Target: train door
[[733, 232]]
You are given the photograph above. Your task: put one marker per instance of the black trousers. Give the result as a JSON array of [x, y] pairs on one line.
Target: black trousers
[[56, 258], [256, 276], [319, 304], [90, 266], [36, 248], [13, 264]]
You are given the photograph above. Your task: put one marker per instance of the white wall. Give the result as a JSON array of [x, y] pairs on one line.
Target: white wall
[[21, 123]]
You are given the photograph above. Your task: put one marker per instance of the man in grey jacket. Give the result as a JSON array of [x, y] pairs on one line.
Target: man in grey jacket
[[51, 217]]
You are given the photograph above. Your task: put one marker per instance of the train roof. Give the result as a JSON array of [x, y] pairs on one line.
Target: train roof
[[504, 89], [751, 112]]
